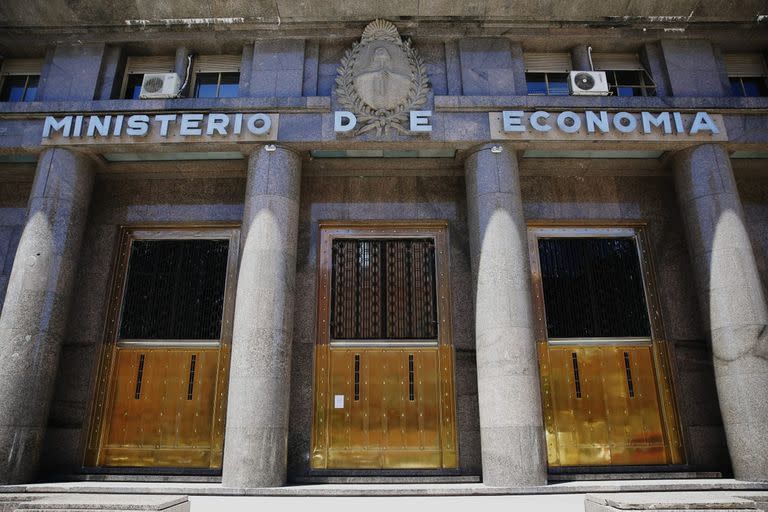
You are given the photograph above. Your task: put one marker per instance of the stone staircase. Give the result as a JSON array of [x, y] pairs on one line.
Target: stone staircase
[[71, 502], [676, 502]]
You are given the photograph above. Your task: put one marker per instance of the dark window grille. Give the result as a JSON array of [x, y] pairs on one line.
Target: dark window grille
[[630, 83], [174, 290], [133, 86], [593, 288], [217, 85], [18, 88], [383, 289], [547, 84], [745, 86]]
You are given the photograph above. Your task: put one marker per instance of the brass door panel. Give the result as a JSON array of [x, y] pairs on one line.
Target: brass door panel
[[159, 416], [385, 416], [602, 414]]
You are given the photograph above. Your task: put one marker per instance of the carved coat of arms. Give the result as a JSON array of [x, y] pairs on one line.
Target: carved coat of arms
[[381, 79]]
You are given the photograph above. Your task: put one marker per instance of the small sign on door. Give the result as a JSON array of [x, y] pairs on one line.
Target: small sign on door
[[338, 401]]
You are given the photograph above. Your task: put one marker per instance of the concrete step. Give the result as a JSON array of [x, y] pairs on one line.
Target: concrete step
[[71, 502], [655, 475], [669, 502]]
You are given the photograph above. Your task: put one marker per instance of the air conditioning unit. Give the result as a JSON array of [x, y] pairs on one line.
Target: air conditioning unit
[[159, 85], [588, 83]]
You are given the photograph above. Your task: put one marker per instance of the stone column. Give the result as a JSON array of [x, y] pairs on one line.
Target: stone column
[[580, 58], [180, 67], [511, 425], [731, 299], [34, 316], [255, 444]]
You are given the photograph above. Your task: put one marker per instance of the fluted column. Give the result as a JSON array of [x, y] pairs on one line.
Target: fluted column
[[34, 316], [511, 424], [731, 299], [255, 444]]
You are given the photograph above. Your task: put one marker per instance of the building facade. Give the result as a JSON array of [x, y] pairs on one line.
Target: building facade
[[281, 245]]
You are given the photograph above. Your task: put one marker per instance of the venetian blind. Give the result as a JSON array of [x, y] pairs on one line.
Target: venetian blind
[[745, 64], [217, 64], [616, 62], [141, 65], [547, 62], [22, 66]]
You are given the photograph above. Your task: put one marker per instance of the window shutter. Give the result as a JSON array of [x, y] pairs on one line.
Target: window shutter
[[217, 64], [22, 66], [616, 62], [163, 64], [745, 64], [547, 62]]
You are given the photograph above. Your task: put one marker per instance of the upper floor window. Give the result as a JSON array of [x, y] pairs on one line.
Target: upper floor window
[[19, 79], [547, 73], [137, 67], [216, 76], [747, 74], [625, 74]]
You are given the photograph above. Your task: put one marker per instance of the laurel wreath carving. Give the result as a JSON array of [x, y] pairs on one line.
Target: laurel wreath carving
[[382, 120]]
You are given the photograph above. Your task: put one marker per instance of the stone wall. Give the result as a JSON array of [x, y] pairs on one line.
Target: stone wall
[[754, 198], [13, 210]]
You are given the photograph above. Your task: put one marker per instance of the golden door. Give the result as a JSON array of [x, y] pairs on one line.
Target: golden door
[[162, 398], [383, 386], [607, 400]]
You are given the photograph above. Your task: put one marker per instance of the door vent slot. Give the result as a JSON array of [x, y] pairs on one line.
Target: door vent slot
[[630, 386], [576, 381], [357, 377], [191, 386], [139, 376], [410, 378]]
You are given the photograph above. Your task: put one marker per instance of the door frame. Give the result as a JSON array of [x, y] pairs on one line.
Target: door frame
[[328, 230], [670, 418], [102, 398]]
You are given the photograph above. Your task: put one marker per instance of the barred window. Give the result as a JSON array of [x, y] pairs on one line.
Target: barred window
[[174, 290], [19, 79], [593, 288], [383, 289]]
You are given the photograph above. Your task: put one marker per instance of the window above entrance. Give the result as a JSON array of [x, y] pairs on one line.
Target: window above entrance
[[547, 73], [747, 74], [19, 79], [625, 74], [216, 76]]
